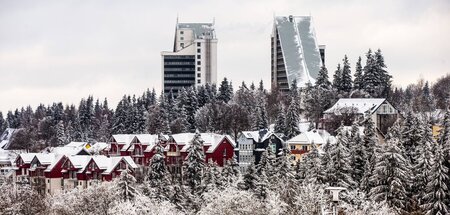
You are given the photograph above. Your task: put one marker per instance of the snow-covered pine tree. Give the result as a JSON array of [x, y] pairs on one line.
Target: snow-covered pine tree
[[411, 136], [125, 186], [250, 179], [358, 80], [391, 177], [195, 164], [261, 118], [370, 77], [191, 107], [322, 78], [337, 78], [266, 163], [424, 164], [427, 99], [158, 174], [292, 120], [370, 139], [60, 134], [230, 172], [118, 120], [341, 174], [225, 91], [384, 79], [312, 165], [356, 155], [437, 195], [346, 77], [369, 145], [325, 164], [280, 126], [3, 124]]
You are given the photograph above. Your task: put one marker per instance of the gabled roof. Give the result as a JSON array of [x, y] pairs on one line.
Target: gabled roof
[[260, 135], [79, 161], [209, 139], [76, 144], [309, 137], [116, 160], [46, 159], [27, 157], [98, 146], [67, 150], [123, 138], [360, 105]]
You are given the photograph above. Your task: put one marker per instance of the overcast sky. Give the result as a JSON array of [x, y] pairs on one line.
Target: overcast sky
[[65, 50]]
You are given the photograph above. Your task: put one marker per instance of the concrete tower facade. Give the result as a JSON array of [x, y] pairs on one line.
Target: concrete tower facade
[[295, 52], [193, 61]]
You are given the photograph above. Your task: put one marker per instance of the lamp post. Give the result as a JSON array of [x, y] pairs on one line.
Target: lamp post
[[335, 196]]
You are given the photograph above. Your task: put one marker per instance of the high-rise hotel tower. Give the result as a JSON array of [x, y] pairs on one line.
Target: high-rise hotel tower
[[296, 54], [193, 61]]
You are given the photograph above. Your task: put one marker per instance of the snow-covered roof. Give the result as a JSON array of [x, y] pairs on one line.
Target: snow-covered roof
[[299, 47], [114, 161], [259, 136], [79, 161], [46, 159], [315, 136], [360, 105], [200, 30], [98, 146], [27, 157], [123, 138], [66, 150], [76, 144], [209, 139], [102, 161], [54, 162]]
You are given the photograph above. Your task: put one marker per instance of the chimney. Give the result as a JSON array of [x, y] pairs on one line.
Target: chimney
[[291, 18]]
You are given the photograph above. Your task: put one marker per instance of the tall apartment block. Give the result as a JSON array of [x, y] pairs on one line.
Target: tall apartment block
[[193, 61], [295, 52]]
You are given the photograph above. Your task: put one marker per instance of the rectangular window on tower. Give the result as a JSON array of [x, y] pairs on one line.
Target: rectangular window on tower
[[198, 81], [199, 56], [198, 69], [199, 44], [199, 62], [181, 32], [199, 75], [198, 50]]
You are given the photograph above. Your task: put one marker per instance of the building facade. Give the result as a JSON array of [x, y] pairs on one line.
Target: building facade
[[295, 53], [193, 61], [252, 144]]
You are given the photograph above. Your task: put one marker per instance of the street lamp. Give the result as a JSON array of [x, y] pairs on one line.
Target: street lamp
[[335, 196]]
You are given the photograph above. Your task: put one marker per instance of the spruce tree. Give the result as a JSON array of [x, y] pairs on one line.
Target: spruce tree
[[280, 126], [370, 83], [322, 78], [337, 78], [346, 77], [225, 91], [195, 164], [391, 176], [250, 179], [340, 158], [384, 79], [312, 165], [424, 163], [358, 80], [357, 155], [436, 199], [125, 186], [292, 120]]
